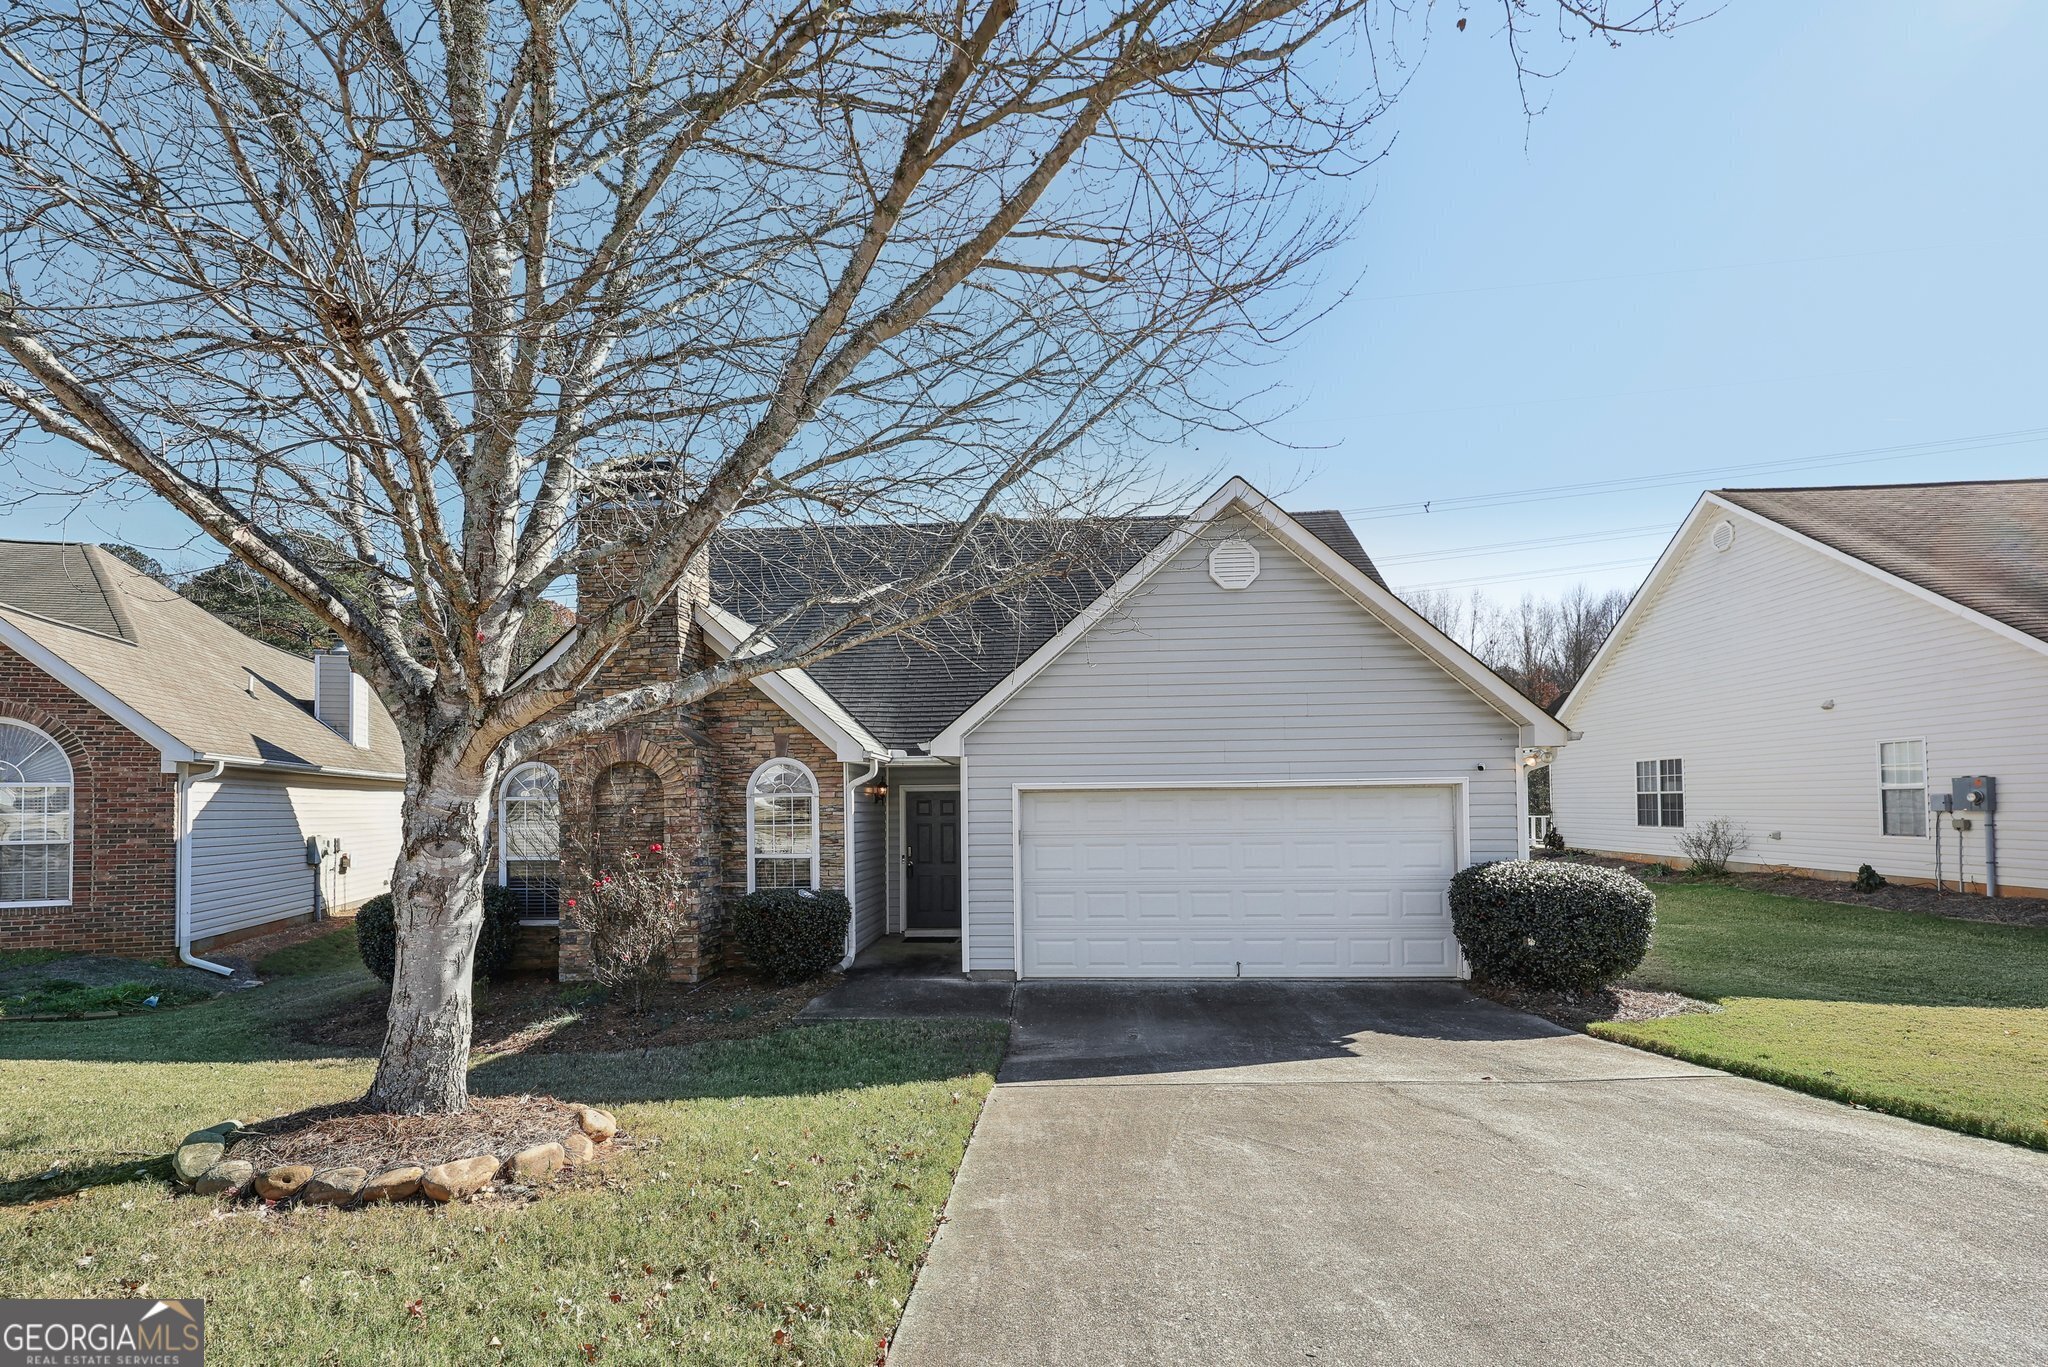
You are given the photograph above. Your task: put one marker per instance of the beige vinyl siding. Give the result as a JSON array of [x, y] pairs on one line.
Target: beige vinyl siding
[[870, 863], [1287, 680], [249, 833], [1728, 666]]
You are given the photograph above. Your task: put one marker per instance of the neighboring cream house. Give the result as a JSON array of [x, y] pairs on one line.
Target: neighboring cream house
[[1815, 665], [167, 784]]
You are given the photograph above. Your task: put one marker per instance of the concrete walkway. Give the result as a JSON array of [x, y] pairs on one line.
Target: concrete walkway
[[895, 978], [1256, 1173]]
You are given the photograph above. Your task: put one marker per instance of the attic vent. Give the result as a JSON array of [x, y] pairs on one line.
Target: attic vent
[[341, 700], [1724, 535], [1234, 564]]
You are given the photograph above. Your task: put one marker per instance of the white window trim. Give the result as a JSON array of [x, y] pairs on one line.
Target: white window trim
[[504, 857], [71, 804], [1922, 786], [1660, 792], [753, 781]]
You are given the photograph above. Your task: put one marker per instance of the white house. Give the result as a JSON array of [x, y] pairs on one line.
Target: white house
[[1816, 665]]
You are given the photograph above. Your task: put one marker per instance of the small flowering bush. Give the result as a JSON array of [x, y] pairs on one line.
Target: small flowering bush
[[1551, 925], [635, 908], [791, 934]]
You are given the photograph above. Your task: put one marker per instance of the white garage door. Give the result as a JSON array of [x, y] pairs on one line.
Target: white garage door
[[1239, 882]]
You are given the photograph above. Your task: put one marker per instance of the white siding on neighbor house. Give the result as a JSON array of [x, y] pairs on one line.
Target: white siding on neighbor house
[[870, 888], [1728, 667], [1285, 681], [249, 832]]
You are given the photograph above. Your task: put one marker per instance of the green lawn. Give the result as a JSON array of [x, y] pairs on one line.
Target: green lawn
[[773, 1208], [1938, 1020]]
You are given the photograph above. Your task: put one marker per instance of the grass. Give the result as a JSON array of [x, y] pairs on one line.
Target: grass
[[1940, 1021], [773, 1206]]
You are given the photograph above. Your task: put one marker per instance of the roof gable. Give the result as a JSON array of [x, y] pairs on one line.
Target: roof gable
[[1365, 590], [1982, 544], [177, 675], [906, 689], [1970, 548]]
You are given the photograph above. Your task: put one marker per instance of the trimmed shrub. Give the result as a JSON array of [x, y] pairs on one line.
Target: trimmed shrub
[[377, 934], [1870, 880], [1549, 925], [1553, 839], [790, 934]]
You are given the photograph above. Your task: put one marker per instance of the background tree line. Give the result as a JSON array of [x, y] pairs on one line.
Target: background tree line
[[1542, 646], [254, 606]]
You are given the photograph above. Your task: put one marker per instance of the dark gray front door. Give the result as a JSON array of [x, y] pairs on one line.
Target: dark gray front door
[[932, 863]]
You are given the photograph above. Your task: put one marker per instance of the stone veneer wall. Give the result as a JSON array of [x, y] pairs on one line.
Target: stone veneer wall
[[124, 820], [700, 756]]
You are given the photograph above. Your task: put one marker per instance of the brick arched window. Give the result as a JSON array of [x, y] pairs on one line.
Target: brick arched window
[[626, 813], [782, 826], [35, 818], [530, 839]]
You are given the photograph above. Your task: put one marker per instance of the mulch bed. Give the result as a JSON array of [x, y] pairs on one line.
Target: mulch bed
[[1956, 906], [541, 1016], [1580, 1009], [350, 1135]]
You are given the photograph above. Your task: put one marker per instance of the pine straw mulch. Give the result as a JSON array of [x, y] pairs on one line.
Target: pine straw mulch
[[1580, 1009], [541, 1016], [350, 1135], [1955, 906]]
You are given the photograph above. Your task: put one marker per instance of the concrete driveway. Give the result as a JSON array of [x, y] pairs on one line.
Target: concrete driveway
[[1252, 1173]]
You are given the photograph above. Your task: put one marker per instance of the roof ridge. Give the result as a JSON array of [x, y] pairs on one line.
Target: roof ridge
[[1851, 488]]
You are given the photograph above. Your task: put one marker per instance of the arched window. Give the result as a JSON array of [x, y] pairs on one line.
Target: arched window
[[782, 827], [35, 818], [530, 840]]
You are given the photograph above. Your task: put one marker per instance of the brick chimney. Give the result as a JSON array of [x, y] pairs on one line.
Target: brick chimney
[[667, 641]]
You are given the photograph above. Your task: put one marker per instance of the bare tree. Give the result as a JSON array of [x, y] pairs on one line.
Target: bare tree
[[410, 276], [1542, 647]]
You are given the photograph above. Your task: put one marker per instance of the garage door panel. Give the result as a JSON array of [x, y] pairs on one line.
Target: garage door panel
[[1275, 882]]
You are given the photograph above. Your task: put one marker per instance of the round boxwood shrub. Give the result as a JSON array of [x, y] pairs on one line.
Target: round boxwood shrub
[[377, 933], [1550, 925], [790, 934]]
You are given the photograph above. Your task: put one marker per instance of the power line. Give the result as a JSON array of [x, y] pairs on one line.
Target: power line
[[1577, 539], [1477, 581], [1631, 483], [1702, 270]]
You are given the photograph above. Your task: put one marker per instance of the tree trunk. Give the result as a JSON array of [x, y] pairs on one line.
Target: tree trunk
[[437, 892]]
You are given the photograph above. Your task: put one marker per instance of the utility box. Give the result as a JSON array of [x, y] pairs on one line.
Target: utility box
[[1975, 793], [1944, 803]]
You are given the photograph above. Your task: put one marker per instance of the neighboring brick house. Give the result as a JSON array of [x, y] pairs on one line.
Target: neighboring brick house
[[1216, 745], [161, 774]]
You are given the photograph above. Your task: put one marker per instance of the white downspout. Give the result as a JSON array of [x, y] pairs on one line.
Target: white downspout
[[853, 787], [184, 869]]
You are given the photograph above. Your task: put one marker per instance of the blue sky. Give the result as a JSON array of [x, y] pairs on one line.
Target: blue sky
[[1788, 231]]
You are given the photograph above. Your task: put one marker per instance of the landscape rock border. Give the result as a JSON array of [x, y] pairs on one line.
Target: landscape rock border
[[204, 1164]]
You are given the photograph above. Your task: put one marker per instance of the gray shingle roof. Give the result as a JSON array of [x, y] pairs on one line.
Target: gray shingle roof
[[906, 689], [1983, 544], [176, 664], [58, 581]]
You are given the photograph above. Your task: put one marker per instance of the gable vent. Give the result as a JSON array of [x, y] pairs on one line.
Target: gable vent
[[1724, 535], [1234, 564], [341, 700]]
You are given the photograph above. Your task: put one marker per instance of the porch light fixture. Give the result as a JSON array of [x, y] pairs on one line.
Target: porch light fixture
[[876, 791]]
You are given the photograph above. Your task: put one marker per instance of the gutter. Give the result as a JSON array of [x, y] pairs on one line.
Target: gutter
[[240, 762], [847, 809], [184, 870]]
